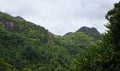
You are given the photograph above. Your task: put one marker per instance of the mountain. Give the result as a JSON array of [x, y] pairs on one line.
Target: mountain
[[92, 32], [25, 46]]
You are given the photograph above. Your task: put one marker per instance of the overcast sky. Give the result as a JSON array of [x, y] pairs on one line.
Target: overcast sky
[[60, 16]]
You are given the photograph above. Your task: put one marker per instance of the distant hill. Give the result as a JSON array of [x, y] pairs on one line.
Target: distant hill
[[92, 32]]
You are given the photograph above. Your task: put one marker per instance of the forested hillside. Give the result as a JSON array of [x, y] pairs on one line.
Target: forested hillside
[[25, 46]]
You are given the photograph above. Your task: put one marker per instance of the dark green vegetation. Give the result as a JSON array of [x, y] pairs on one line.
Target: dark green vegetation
[[25, 46]]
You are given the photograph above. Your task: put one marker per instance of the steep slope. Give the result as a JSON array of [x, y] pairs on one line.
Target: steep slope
[[29, 47]]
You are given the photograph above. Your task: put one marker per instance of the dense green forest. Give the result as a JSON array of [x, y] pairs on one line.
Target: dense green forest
[[25, 46]]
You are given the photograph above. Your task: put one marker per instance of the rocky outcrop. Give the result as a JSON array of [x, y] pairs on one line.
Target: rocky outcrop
[[10, 25]]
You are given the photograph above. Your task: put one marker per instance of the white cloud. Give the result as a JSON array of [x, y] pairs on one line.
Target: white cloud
[[60, 16]]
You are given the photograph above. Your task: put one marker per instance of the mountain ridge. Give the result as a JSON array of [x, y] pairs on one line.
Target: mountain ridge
[[25, 45]]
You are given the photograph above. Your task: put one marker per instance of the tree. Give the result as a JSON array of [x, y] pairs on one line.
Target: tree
[[111, 39]]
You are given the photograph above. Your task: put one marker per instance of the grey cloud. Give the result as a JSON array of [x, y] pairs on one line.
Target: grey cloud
[[61, 16]]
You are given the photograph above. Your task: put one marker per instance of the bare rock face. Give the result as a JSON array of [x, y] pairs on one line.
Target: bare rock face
[[10, 25]]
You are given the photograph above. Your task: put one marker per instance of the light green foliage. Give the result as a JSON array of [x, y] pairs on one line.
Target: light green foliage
[[27, 69], [4, 66], [81, 38]]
